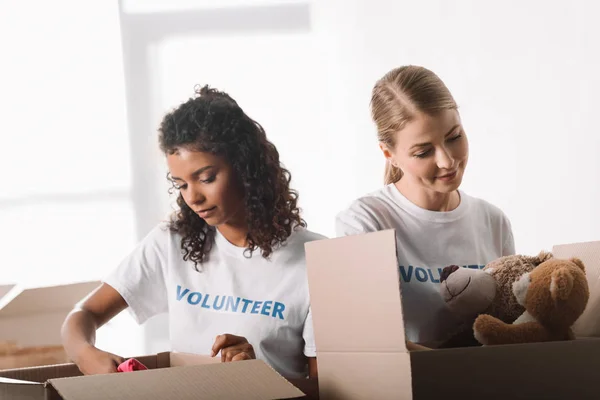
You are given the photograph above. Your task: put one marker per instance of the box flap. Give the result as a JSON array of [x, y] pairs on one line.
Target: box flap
[[17, 386], [153, 361], [175, 359], [33, 356], [182, 359], [24, 311], [355, 296], [588, 325], [45, 299], [252, 379], [4, 289], [356, 305], [16, 390], [366, 375], [17, 382], [41, 374]]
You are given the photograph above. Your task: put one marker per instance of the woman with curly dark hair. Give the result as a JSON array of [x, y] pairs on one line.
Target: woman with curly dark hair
[[229, 264]]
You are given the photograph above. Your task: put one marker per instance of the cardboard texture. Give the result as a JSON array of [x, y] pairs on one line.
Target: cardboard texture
[[15, 389], [170, 375], [26, 310], [588, 325], [30, 322], [359, 332], [16, 357], [354, 293], [4, 289]]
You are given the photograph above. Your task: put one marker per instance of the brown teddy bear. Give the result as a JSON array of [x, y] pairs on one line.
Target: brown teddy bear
[[470, 292], [554, 295]]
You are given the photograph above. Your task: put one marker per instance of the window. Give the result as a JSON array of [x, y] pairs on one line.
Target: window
[[66, 212], [66, 204]]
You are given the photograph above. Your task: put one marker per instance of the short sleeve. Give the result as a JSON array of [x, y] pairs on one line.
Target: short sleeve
[[140, 277], [355, 220], [508, 248], [310, 349]]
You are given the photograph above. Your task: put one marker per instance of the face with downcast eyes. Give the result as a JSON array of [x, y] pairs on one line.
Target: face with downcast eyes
[[431, 151], [208, 186]]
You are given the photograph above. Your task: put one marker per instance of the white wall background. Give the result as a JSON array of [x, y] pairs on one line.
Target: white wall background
[[525, 76], [66, 208], [82, 93]]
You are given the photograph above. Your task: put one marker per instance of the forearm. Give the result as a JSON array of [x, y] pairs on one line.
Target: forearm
[[78, 333], [312, 367]]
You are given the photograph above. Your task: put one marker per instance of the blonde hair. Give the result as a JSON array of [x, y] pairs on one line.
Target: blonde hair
[[398, 96]]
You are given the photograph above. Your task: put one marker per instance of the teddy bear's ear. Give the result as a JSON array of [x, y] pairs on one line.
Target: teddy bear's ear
[[578, 262], [561, 284], [544, 256]]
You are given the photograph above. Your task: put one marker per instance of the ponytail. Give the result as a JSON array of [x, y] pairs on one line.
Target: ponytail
[[392, 174]]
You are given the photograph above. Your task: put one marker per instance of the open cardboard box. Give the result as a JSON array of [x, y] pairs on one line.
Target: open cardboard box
[[170, 376], [35, 366], [30, 322], [361, 348]]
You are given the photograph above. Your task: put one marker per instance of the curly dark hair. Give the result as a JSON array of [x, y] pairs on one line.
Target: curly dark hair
[[213, 122]]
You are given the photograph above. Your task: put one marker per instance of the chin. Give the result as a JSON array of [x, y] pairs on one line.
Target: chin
[[214, 222], [446, 187]]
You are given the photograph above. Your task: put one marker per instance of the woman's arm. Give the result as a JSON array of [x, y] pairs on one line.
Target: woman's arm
[[312, 367], [79, 330]]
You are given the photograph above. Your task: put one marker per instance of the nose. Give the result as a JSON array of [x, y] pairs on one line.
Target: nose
[[447, 271], [195, 197], [444, 159]]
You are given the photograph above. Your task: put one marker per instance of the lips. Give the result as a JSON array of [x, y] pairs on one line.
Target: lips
[[449, 176], [206, 212]]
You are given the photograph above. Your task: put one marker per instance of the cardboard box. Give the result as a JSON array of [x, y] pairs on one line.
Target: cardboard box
[[359, 331], [170, 376], [30, 322]]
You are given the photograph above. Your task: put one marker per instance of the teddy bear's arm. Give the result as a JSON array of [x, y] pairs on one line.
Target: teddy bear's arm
[[491, 331]]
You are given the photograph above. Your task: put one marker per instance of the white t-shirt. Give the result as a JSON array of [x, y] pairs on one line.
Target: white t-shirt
[[471, 235], [264, 300]]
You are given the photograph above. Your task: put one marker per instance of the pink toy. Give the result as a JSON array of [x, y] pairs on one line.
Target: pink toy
[[131, 365]]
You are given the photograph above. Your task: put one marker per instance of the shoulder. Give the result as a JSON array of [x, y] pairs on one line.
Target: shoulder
[[497, 222], [160, 232], [301, 235], [372, 202], [149, 255], [292, 251], [365, 213], [161, 237], [486, 209]]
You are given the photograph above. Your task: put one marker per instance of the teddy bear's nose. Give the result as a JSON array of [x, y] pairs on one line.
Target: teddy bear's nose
[[447, 271]]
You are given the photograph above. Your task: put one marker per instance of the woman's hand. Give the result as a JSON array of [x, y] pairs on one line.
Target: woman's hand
[[232, 348], [92, 361], [79, 331]]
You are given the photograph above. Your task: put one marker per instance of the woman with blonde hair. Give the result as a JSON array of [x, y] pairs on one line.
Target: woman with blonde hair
[[437, 224]]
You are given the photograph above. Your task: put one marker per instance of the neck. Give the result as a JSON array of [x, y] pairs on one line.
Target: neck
[[428, 199], [235, 230]]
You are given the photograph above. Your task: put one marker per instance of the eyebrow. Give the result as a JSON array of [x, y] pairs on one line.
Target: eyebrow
[[195, 173], [427, 144]]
